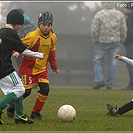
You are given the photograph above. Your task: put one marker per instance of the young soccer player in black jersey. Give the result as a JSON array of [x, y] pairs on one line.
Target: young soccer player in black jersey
[[10, 82]]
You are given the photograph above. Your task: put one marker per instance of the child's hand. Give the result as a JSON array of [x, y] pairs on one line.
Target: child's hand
[[15, 54], [42, 56], [56, 70], [118, 57]]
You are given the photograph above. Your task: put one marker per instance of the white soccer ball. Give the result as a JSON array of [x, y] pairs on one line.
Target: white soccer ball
[[66, 113]]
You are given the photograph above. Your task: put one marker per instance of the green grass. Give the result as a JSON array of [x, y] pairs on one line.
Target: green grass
[[90, 106]]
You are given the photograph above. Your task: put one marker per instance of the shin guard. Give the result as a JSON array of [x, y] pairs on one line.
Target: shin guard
[[41, 99]]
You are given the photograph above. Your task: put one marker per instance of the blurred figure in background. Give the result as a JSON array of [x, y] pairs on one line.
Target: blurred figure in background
[[28, 25], [108, 32], [128, 11]]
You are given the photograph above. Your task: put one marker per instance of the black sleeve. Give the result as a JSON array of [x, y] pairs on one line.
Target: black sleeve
[[12, 39]]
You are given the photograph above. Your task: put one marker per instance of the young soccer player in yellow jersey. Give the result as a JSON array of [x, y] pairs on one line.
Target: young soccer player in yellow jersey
[[34, 71]]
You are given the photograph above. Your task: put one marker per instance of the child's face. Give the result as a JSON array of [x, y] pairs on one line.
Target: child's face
[[45, 28]]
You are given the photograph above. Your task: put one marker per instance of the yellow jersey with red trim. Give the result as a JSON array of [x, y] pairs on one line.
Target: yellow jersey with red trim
[[38, 42]]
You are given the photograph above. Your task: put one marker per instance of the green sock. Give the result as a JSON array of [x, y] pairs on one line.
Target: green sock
[[7, 100], [19, 106]]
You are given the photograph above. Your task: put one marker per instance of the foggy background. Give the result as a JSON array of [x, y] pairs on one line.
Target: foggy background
[[72, 22]]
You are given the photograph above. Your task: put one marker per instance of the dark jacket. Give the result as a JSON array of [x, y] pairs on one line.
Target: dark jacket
[[129, 38]]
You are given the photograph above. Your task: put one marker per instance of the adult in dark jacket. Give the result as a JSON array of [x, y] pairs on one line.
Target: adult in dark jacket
[[128, 11]]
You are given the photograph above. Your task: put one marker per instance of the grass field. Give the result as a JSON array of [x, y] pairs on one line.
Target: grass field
[[89, 104]]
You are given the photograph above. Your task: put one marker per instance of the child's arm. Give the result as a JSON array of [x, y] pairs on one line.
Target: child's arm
[[124, 59], [127, 60], [28, 52], [53, 62]]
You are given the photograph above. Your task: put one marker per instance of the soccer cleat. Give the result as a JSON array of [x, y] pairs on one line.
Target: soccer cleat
[[113, 111], [11, 111], [23, 119], [36, 115], [1, 122]]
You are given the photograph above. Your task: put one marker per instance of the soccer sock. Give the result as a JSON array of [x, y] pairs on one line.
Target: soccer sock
[[19, 106], [125, 108], [7, 100], [39, 102]]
